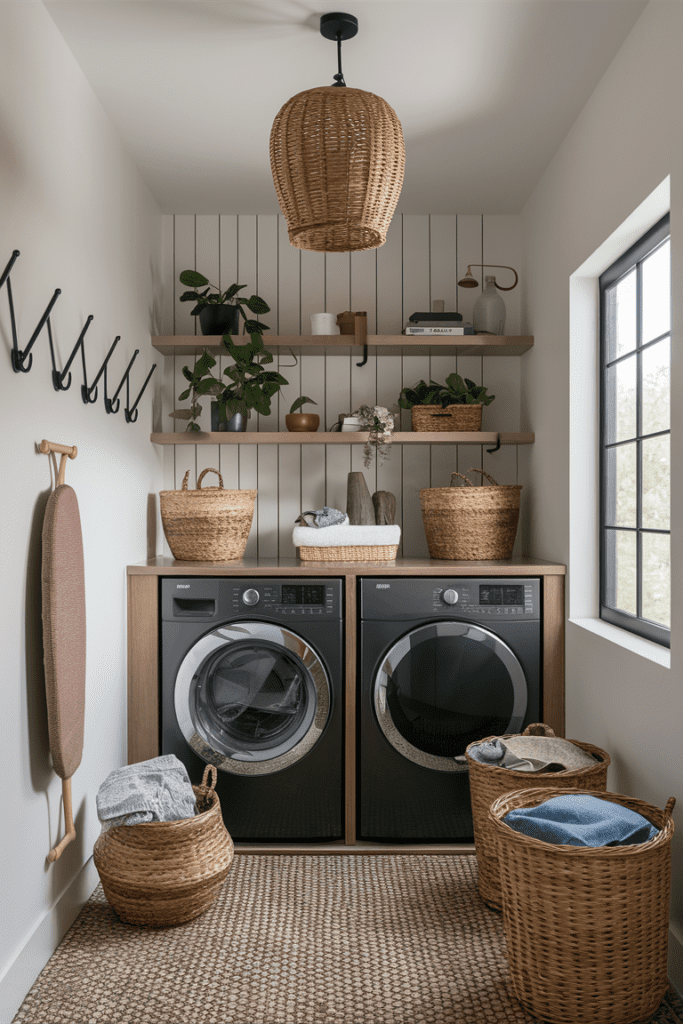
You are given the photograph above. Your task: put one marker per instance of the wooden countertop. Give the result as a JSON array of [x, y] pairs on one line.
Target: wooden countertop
[[522, 566]]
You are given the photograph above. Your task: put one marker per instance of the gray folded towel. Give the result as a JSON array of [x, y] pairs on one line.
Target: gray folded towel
[[154, 790], [322, 517]]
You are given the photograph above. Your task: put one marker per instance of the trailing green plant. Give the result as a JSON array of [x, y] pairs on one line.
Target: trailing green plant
[[255, 304], [297, 404], [251, 386], [456, 391]]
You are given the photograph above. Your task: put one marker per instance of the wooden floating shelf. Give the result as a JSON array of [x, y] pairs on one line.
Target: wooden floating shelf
[[381, 344], [350, 437]]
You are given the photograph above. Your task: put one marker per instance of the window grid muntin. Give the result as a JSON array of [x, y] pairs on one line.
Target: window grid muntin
[[634, 257]]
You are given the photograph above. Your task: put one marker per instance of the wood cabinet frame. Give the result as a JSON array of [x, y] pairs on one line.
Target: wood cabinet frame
[[144, 669]]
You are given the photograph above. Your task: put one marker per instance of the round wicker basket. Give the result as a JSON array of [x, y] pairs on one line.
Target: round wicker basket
[[471, 522], [488, 782], [162, 873], [586, 927], [207, 525]]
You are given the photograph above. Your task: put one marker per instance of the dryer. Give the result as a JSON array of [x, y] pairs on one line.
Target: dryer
[[252, 673], [443, 662]]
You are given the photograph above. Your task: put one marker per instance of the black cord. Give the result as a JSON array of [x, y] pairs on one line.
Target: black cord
[[339, 78]]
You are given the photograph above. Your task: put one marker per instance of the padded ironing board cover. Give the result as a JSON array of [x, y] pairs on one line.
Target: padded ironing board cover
[[64, 629]]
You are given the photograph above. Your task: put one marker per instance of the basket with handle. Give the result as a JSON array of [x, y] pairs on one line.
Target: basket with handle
[[471, 522], [210, 524], [488, 782], [161, 873], [453, 417], [586, 927]]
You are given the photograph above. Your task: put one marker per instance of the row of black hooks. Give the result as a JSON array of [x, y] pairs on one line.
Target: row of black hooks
[[22, 359]]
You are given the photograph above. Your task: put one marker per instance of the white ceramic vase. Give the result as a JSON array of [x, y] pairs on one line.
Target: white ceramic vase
[[488, 315]]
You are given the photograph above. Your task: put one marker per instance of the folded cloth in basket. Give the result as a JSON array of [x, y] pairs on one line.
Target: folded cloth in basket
[[581, 820], [154, 790], [532, 754], [345, 536]]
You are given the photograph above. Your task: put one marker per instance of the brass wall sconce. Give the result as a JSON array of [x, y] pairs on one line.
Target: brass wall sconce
[[468, 280]]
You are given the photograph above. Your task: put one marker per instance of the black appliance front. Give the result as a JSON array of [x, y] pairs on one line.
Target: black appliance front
[[252, 676], [443, 662]]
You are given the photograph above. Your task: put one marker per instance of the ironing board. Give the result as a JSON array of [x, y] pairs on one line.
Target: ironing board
[[63, 592]]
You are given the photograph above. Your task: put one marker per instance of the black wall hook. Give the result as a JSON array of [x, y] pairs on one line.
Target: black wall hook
[[22, 361], [88, 393], [491, 451], [59, 378], [112, 404], [365, 356], [132, 414]]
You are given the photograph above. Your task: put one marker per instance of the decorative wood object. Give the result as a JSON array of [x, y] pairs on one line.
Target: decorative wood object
[[385, 508], [359, 506]]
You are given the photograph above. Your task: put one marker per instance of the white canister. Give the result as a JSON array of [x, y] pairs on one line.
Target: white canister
[[324, 323], [351, 423]]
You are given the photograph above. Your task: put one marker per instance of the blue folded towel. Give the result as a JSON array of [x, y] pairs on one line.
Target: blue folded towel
[[581, 820]]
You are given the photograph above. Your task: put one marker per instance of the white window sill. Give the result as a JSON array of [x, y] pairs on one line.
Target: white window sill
[[629, 641]]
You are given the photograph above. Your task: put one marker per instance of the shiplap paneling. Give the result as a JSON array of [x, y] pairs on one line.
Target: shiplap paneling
[[422, 259]]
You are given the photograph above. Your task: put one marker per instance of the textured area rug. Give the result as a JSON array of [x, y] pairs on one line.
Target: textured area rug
[[298, 940]]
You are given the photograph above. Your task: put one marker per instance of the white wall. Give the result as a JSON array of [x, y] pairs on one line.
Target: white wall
[[421, 260], [623, 145], [75, 206]]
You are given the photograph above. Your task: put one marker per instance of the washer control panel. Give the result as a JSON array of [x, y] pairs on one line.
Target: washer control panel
[[477, 599], [287, 599]]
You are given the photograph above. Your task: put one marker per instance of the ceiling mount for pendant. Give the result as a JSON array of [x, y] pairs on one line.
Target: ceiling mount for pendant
[[339, 27], [337, 157]]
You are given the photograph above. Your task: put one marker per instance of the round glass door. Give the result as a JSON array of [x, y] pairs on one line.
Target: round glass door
[[252, 698], [444, 685]]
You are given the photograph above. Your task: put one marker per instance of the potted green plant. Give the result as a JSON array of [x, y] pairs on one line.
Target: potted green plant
[[455, 405], [219, 312], [251, 386], [299, 421]]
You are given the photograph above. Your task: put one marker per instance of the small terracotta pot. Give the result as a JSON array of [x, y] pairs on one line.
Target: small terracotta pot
[[308, 421]]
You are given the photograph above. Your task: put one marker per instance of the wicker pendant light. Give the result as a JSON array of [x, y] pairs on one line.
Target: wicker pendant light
[[337, 158]]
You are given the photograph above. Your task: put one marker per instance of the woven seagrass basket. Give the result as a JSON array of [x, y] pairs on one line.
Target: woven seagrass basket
[[488, 782], [357, 553], [470, 522], [162, 873], [586, 927], [453, 417], [207, 525]]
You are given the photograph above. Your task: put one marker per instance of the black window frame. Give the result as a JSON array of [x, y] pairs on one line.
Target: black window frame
[[632, 258]]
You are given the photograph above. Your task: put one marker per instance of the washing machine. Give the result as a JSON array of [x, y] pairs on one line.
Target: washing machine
[[443, 662], [251, 681]]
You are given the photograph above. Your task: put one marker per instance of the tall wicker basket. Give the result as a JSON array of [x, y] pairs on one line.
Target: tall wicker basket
[[162, 873], [207, 525], [586, 927], [488, 782], [470, 522]]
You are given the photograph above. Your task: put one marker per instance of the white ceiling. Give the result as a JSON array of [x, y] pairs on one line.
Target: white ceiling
[[485, 91]]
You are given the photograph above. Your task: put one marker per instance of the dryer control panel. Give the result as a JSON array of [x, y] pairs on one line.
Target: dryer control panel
[[220, 598], [485, 599]]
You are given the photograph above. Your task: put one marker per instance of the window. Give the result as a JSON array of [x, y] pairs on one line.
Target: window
[[635, 318]]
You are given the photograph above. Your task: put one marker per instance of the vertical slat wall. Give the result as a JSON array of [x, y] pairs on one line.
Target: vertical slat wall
[[421, 260]]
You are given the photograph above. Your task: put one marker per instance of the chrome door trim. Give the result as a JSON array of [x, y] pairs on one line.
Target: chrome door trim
[[240, 763], [431, 631]]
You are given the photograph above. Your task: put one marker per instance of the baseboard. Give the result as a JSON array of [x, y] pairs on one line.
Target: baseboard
[[43, 940], [675, 964]]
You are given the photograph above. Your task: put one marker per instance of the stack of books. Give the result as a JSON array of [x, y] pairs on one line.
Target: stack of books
[[437, 323]]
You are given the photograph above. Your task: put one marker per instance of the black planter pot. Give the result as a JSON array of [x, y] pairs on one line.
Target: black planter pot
[[223, 319], [238, 422]]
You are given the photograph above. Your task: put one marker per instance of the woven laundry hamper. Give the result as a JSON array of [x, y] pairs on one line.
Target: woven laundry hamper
[[488, 782], [207, 525], [162, 873], [586, 927], [469, 523]]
